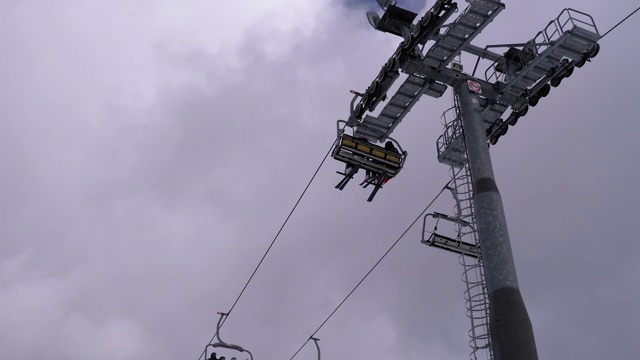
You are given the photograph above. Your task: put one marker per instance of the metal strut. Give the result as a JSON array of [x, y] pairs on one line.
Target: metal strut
[[222, 344], [315, 340]]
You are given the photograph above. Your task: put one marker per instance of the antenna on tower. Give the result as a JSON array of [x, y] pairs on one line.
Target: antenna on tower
[[384, 4], [374, 19]]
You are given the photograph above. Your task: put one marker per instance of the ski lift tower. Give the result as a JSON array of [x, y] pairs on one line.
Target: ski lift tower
[[515, 79]]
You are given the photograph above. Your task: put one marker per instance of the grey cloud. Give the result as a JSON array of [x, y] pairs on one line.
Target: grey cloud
[[146, 170]]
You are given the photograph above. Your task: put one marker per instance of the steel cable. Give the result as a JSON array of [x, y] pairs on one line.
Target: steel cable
[[272, 243], [371, 270], [621, 21]]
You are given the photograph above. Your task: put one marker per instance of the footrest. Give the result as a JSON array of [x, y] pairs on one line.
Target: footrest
[[456, 246]]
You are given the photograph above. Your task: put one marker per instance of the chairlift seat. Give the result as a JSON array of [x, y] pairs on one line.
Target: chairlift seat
[[380, 163], [361, 153]]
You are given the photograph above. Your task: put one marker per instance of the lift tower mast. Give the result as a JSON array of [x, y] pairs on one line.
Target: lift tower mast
[[509, 324], [516, 79]]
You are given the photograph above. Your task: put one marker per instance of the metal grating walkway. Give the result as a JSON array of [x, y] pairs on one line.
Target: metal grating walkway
[[563, 41], [459, 34]]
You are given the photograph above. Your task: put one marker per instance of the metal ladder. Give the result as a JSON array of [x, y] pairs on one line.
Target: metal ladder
[[476, 296]]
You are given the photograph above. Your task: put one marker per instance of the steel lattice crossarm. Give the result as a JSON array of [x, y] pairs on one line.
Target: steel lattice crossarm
[[565, 43], [525, 74], [428, 72], [513, 80]]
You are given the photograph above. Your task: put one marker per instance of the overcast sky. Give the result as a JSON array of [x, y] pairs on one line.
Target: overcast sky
[[150, 151]]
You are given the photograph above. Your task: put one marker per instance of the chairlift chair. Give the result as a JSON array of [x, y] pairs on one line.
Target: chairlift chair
[[438, 240], [380, 163], [222, 344]]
